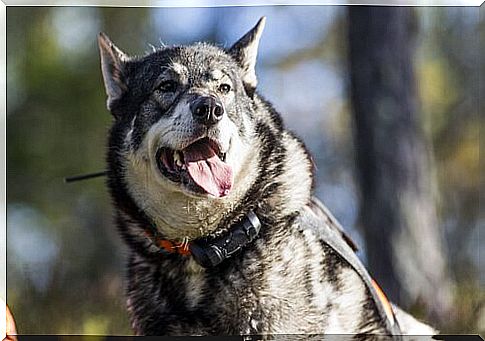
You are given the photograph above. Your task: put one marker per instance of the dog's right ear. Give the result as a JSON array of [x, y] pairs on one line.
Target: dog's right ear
[[112, 65]]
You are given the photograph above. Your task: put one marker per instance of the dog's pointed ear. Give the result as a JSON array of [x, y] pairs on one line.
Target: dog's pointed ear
[[112, 66], [245, 51]]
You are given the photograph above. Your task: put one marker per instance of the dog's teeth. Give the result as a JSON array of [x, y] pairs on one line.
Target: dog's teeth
[[177, 159]]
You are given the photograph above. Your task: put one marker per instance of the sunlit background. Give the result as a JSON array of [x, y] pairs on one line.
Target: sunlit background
[[65, 259]]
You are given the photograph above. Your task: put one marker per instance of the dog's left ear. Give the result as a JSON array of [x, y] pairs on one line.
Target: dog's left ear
[[245, 51]]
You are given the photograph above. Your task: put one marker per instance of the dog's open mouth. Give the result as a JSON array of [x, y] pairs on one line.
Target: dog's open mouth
[[201, 163]]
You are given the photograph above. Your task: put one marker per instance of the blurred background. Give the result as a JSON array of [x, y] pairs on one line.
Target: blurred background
[[386, 99]]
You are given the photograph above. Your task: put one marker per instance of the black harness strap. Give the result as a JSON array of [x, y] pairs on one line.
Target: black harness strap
[[335, 241]]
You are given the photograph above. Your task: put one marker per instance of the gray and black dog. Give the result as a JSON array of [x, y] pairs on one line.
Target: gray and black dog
[[213, 196]]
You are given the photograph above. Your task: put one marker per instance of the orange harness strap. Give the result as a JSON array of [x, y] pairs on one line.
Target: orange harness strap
[[385, 302]]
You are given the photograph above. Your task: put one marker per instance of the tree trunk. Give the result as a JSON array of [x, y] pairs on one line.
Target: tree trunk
[[397, 214]]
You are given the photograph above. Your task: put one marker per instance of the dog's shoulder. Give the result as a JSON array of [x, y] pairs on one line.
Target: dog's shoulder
[[342, 269]]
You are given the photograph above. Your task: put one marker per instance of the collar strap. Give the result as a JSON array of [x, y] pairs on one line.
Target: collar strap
[[211, 251], [173, 247]]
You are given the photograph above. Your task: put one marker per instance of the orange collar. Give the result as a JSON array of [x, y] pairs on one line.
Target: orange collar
[[211, 250], [180, 248], [169, 246]]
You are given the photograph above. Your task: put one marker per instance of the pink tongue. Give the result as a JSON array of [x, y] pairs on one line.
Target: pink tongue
[[207, 170]]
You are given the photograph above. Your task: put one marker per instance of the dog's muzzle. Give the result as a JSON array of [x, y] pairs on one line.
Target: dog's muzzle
[[207, 110]]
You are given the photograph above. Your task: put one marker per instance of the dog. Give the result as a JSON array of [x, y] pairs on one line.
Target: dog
[[213, 197]]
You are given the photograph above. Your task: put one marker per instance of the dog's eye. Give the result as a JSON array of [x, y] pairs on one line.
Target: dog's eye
[[224, 88], [168, 86]]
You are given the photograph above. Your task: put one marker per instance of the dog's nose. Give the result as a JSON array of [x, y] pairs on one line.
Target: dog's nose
[[207, 110]]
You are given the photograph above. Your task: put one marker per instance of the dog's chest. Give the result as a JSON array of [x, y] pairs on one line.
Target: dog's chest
[[292, 287]]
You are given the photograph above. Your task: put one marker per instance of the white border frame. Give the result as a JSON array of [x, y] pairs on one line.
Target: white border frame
[[134, 3], [245, 3], [3, 170]]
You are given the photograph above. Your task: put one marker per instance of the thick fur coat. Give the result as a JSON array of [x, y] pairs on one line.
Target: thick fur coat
[[287, 281]]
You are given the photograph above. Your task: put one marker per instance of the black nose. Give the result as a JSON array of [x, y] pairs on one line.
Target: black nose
[[207, 110]]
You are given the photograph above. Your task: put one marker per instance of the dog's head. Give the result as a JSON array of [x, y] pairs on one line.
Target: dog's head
[[183, 127]]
